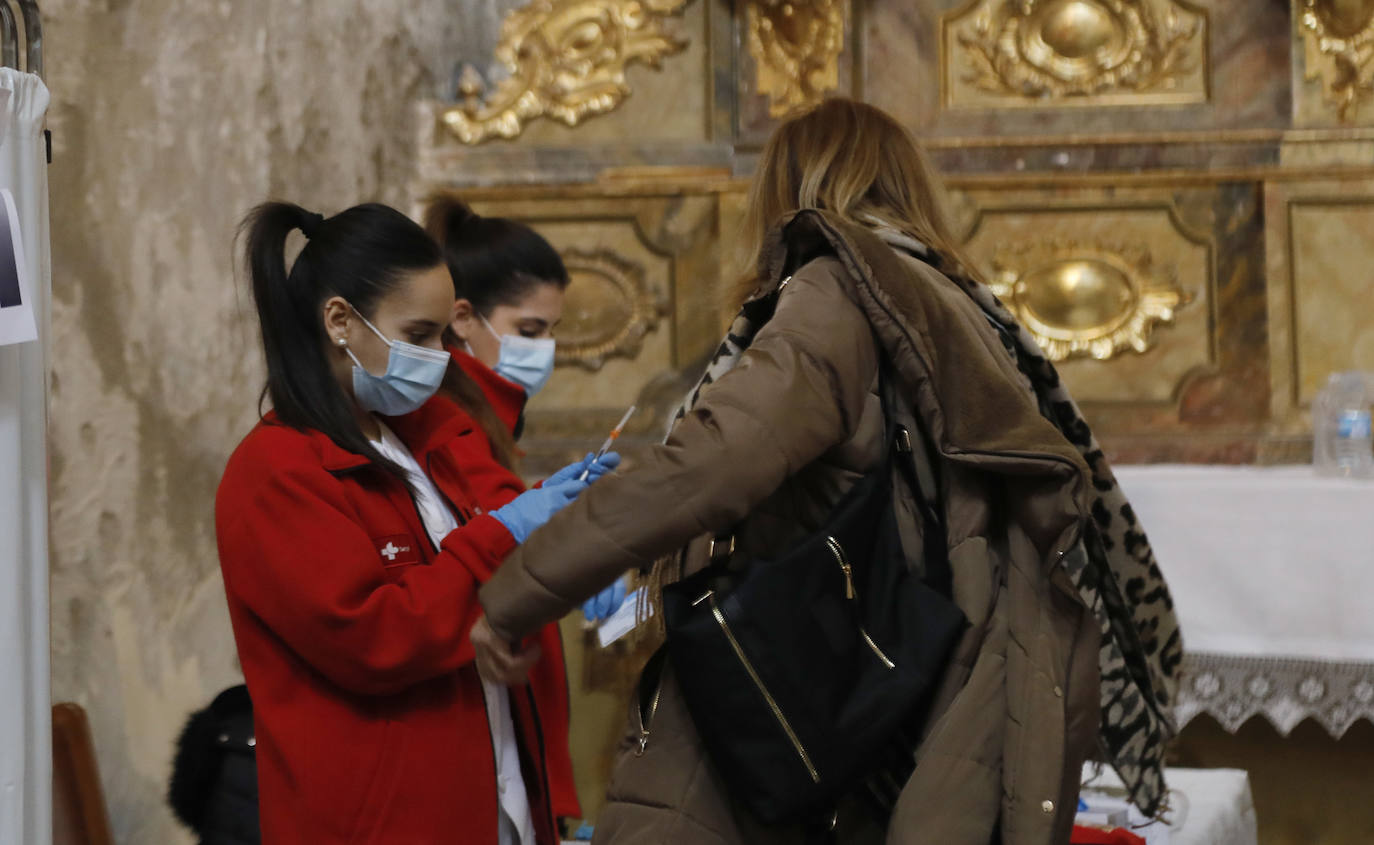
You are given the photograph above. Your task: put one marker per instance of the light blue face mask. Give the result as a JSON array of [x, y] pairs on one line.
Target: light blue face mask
[[526, 361], [413, 375]]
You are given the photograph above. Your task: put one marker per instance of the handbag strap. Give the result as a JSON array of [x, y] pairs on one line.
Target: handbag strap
[[918, 468], [920, 476]]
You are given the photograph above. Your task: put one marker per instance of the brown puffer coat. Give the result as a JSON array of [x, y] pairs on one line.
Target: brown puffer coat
[[766, 453]]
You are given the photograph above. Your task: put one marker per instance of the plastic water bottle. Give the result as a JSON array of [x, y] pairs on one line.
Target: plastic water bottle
[[1341, 425]]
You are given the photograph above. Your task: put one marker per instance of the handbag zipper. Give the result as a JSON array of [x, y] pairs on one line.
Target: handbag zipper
[[883, 657], [758, 682], [645, 722], [838, 552], [850, 593]]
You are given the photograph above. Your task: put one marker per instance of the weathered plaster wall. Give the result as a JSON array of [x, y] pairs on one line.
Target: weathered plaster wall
[[170, 119]]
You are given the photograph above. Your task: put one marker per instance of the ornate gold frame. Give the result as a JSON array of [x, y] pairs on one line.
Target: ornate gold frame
[[1092, 299], [623, 340]]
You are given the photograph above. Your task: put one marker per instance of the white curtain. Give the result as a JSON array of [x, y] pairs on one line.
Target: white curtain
[[25, 715]]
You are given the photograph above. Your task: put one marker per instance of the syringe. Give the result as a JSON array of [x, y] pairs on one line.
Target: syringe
[[610, 441]]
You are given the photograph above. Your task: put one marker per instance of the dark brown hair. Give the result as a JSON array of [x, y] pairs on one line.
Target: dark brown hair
[[494, 261]]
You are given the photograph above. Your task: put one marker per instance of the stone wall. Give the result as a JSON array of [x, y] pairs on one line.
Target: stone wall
[[170, 119]]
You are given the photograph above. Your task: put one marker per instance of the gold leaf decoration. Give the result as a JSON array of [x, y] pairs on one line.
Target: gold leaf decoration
[[1086, 299], [566, 60], [610, 309], [1338, 36], [796, 48], [1053, 51]]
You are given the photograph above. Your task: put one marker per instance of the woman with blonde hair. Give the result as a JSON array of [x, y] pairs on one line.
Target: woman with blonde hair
[[861, 319]]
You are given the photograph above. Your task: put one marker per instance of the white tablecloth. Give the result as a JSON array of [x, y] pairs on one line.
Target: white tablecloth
[[1272, 573], [1263, 561], [1207, 806]]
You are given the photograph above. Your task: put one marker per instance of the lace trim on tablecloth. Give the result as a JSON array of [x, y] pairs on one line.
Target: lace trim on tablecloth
[[1285, 691]]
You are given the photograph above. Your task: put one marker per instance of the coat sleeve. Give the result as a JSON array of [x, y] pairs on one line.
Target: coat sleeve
[[798, 391], [297, 559], [490, 484]]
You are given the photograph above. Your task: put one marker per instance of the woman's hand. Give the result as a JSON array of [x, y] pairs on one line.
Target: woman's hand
[[497, 661], [532, 508], [594, 466], [603, 604]]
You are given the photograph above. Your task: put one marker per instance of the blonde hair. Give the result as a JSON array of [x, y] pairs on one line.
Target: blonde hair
[[857, 162]]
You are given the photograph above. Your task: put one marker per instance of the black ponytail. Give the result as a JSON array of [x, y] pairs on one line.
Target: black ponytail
[[494, 261], [359, 254]]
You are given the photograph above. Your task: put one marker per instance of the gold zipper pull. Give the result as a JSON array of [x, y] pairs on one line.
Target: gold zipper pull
[[646, 721], [849, 591]]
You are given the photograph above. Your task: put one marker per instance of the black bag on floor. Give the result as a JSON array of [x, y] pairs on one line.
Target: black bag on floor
[[799, 671], [214, 785]]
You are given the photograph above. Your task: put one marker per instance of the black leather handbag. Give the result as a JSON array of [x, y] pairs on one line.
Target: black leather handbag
[[799, 670]]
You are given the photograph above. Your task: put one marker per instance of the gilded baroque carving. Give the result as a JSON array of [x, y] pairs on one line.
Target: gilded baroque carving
[[612, 309], [1079, 51], [1339, 39], [796, 48], [1086, 299], [566, 60]]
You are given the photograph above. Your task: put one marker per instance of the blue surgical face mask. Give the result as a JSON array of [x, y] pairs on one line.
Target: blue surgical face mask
[[413, 375], [526, 361]]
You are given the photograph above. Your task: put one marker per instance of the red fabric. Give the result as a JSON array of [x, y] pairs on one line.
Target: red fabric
[[1096, 836], [490, 485], [353, 635], [507, 397], [493, 485]]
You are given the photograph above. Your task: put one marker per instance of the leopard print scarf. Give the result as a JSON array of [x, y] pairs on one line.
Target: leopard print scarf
[[1113, 567]]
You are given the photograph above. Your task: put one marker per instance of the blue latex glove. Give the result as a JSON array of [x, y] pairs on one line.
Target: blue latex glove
[[599, 466], [533, 508], [604, 603]]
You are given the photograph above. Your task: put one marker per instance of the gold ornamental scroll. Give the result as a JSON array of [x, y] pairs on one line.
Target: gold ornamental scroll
[[1055, 53], [1338, 40], [566, 60], [796, 47]]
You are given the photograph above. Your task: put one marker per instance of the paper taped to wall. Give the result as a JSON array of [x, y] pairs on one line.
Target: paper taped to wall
[[16, 300]]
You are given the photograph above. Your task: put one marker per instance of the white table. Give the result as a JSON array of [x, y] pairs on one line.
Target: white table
[[1272, 573], [1207, 806]]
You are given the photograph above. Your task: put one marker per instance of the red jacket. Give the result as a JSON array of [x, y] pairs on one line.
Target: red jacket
[[507, 397], [491, 482], [353, 635]]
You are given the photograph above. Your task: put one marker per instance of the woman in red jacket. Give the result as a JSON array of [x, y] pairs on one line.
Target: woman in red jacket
[[511, 285], [352, 545]]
